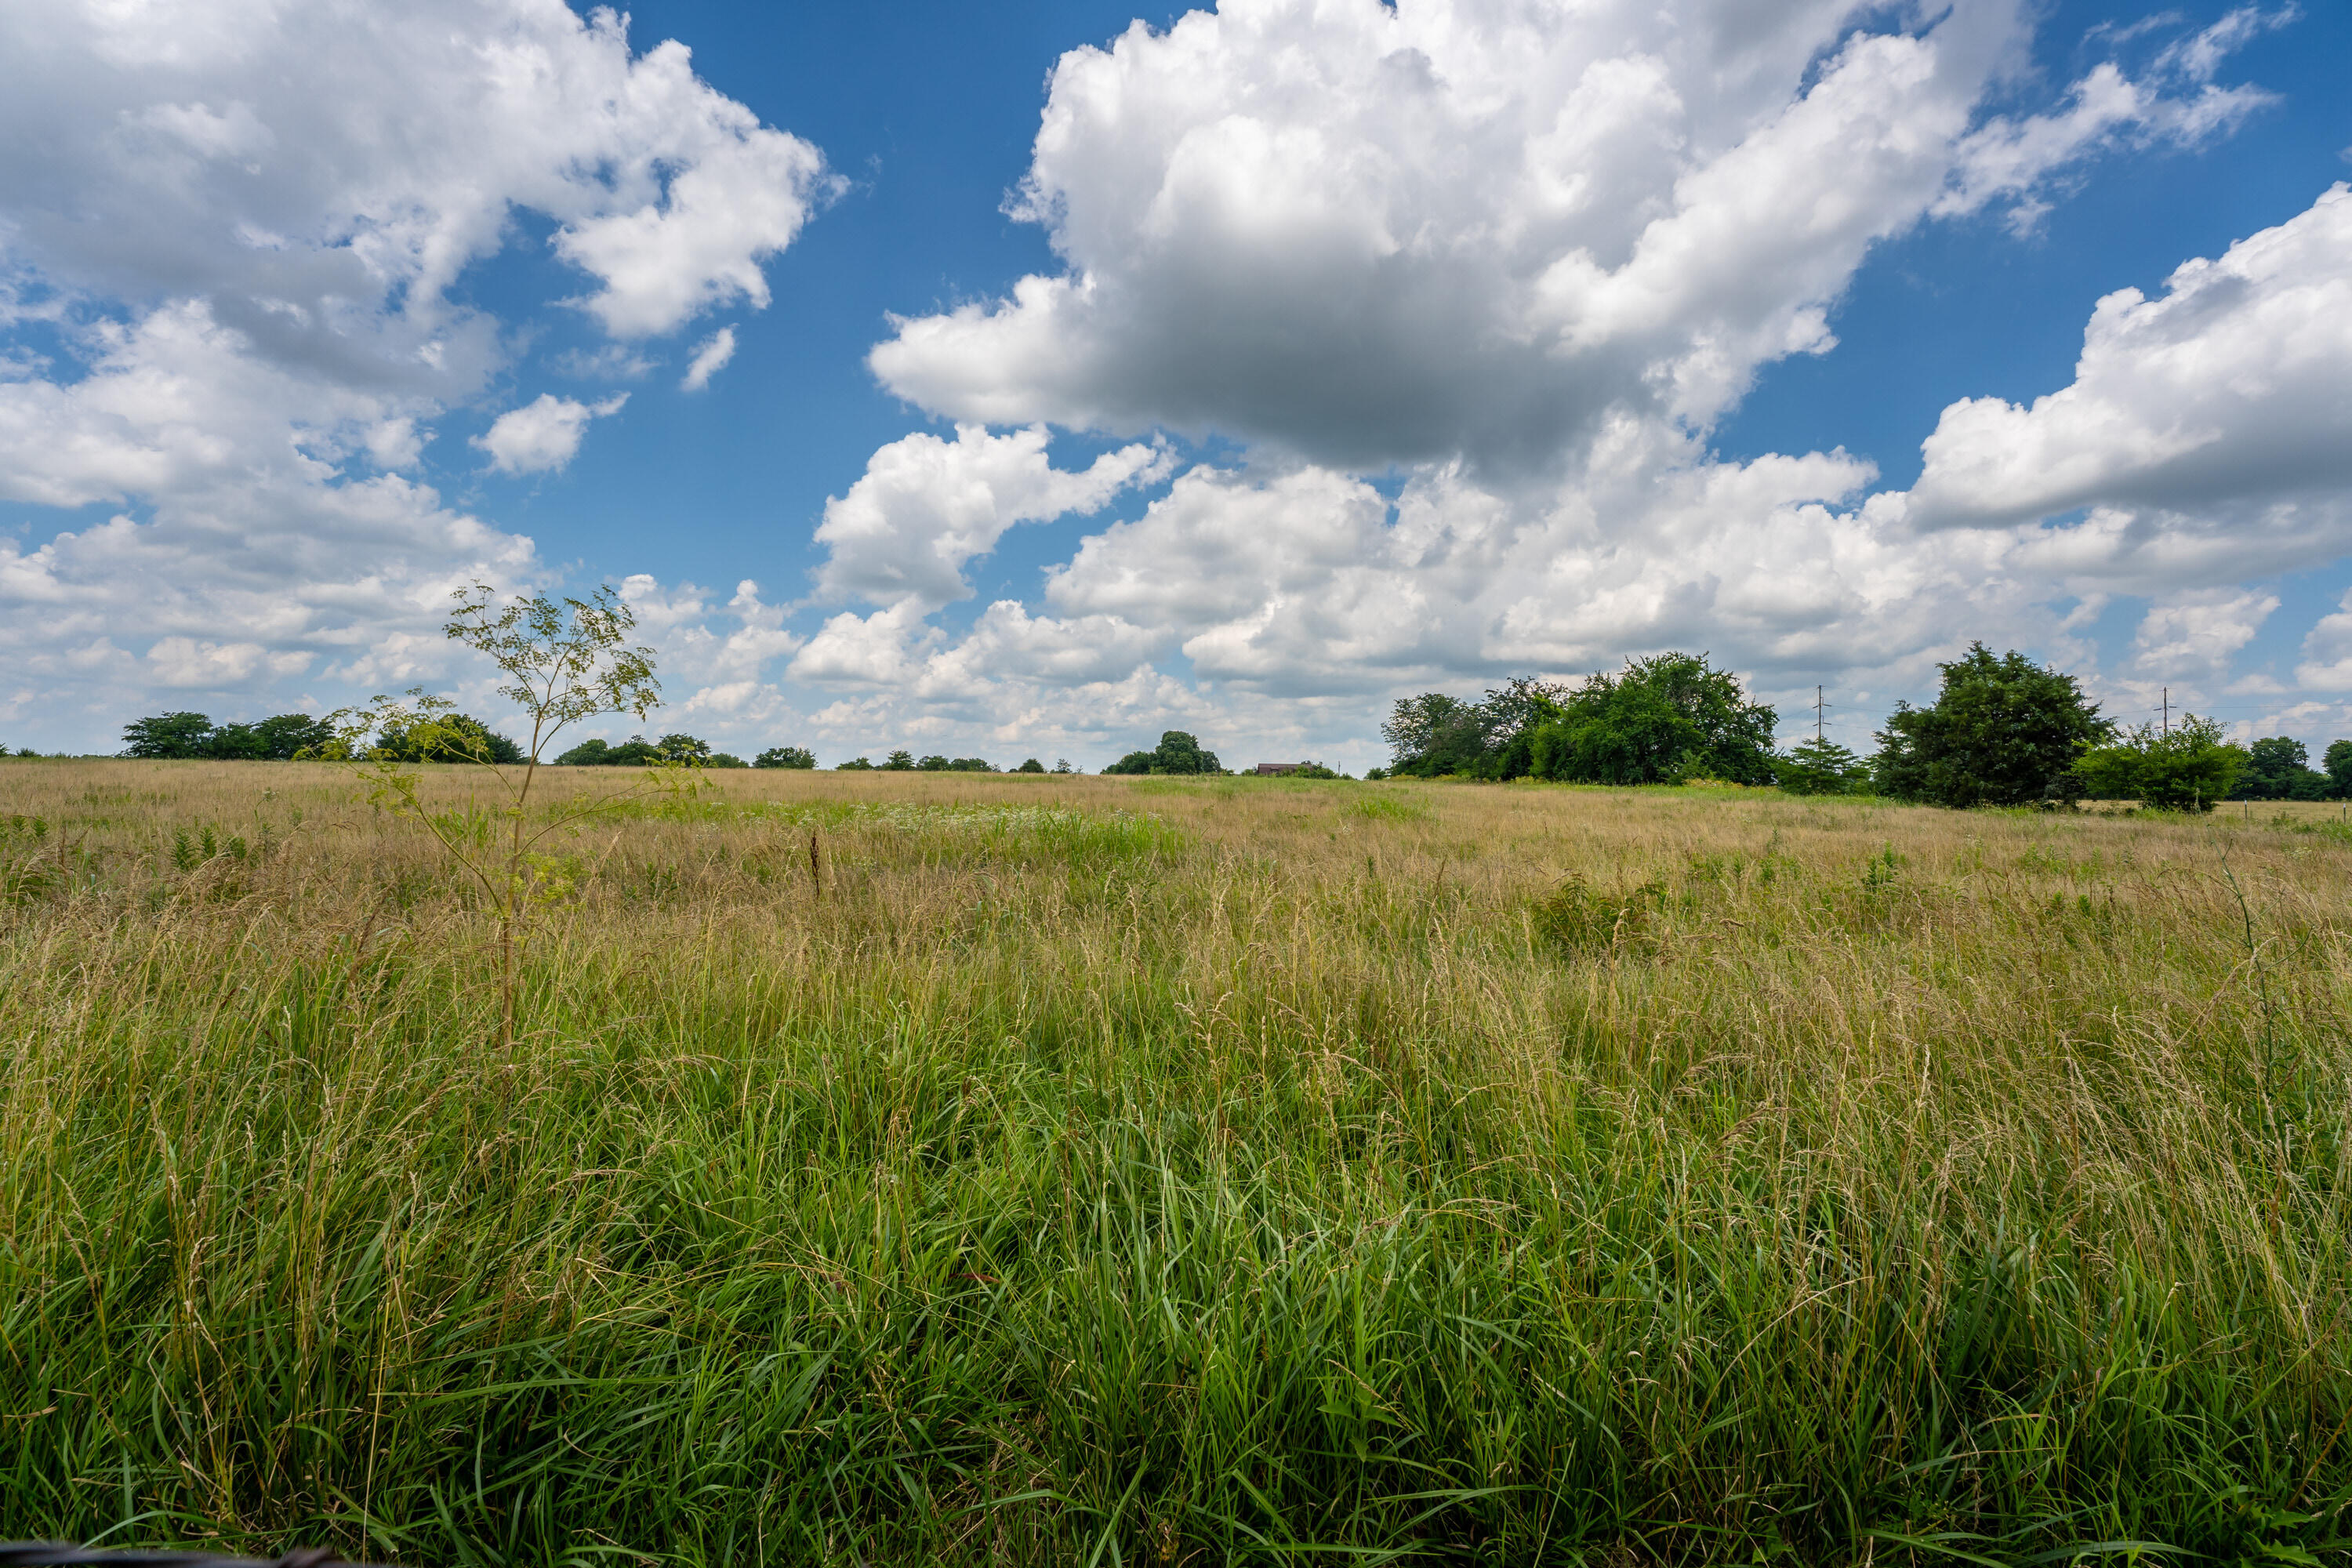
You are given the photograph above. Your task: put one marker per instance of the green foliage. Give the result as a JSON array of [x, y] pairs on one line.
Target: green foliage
[[1664, 719], [637, 752], [2278, 767], [191, 850], [1820, 767], [2191, 769], [1064, 1193], [564, 661], [445, 738], [172, 736], [2003, 731], [899, 762], [1177, 753], [194, 735], [1435, 734], [1384, 807], [1030, 765], [2337, 761], [786, 757], [854, 765], [1578, 919]]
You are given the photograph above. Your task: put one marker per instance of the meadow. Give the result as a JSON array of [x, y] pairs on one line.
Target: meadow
[[911, 1169]]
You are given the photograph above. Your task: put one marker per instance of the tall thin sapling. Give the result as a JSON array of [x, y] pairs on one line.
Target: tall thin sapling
[[567, 660]]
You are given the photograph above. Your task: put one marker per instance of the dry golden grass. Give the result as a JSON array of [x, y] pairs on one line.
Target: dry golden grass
[[1240, 1166]]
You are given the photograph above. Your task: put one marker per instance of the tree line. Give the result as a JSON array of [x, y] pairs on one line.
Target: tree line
[[450, 738], [2002, 730]]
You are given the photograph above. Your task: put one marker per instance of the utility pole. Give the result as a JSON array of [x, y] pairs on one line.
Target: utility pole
[[1820, 708], [2167, 710]]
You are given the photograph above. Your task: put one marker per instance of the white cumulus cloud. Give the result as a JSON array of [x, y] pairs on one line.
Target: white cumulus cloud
[[1376, 234], [543, 434], [924, 507], [237, 227], [2233, 385]]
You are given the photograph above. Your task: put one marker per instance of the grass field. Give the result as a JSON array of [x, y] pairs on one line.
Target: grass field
[[1096, 1171]]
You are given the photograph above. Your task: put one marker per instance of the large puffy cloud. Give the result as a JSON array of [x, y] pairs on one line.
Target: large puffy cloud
[[295, 163], [229, 236], [1519, 256], [1376, 234], [2233, 386]]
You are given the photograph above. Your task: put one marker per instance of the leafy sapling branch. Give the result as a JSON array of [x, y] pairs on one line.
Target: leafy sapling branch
[[565, 661]]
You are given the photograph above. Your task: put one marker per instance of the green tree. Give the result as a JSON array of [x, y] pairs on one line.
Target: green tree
[[899, 762], [446, 737], [854, 765], [1435, 734], [291, 735], [170, 736], [1177, 753], [2191, 768], [1663, 720], [2338, 761], [565, 661], [1820, 767], [1031, 766], [970, 766], [2278, 767], [785, 757], [236, 743], [2003, 731], [932, 764], [692, 750], [637, 752]]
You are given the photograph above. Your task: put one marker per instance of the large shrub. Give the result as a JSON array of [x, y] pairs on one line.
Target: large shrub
[[1663, 720], [1820, 767], [2187, 769], [2003, 731]]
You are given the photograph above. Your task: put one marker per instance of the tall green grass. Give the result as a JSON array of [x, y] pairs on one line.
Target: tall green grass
[[1244, 1177]]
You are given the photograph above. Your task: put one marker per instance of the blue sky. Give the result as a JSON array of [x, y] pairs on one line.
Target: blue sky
[[1383, 348]]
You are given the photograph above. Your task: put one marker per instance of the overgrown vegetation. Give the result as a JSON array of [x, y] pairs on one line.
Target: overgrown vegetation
[[915, 1169]]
